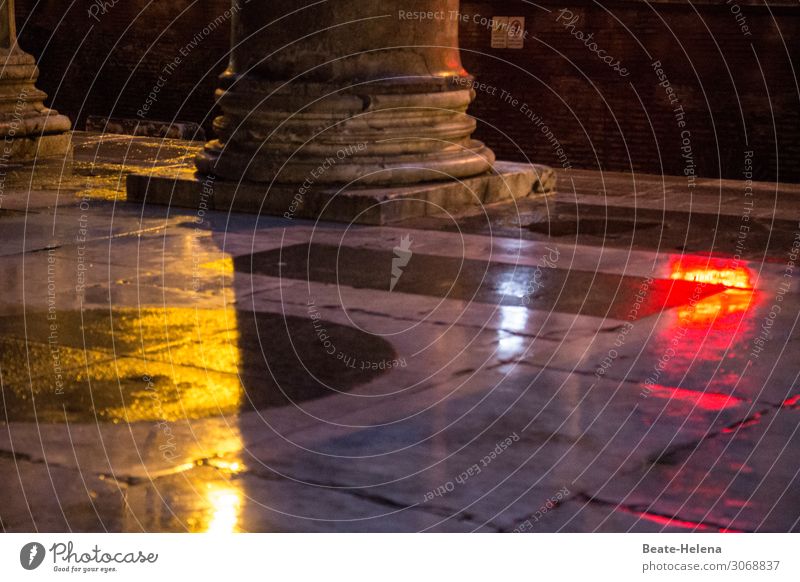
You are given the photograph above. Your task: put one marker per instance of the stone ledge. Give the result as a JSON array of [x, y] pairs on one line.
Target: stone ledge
[[182, 187], [27, 148]]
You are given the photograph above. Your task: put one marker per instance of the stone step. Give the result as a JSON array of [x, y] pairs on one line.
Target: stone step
[[182, 187]]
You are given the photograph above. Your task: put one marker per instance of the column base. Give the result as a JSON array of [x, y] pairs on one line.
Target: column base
[[27, 148], [27, 128], [183, 188]]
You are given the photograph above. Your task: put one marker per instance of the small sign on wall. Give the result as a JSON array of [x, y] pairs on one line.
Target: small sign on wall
[[516, 32], [499, 31], [508, 32]]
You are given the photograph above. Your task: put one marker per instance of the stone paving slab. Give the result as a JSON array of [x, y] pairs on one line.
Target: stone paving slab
[[214, 447], [745, 478]]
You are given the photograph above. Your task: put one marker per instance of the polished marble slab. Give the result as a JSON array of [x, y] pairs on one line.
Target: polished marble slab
[[167, 369]]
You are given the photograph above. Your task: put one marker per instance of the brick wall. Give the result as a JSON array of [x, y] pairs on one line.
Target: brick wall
[[737, 90], [108, 64]]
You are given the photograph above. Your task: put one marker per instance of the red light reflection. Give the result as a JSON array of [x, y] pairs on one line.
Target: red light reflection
[[791, 402], [701, 352], [668, 521], [712, 401], [703, 344], [723, 310]]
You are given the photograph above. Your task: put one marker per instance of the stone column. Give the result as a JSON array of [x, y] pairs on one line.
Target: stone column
[[27, 127], [345, 90]]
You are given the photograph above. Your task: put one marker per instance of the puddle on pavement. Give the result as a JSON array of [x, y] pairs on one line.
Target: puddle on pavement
[[129, 365]]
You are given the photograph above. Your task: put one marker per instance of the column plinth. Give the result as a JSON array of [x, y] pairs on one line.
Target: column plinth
[[27, 127]]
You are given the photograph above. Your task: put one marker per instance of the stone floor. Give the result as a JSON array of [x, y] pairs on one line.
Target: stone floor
[[593, 361]]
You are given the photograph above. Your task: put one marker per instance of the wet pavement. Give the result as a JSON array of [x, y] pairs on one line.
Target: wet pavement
[[600, 360]]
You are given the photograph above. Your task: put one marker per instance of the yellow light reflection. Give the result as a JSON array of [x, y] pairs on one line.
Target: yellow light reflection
[[123, 365], [224, 498], [711, 272], [222, 266], [187, 369], [716, 308], [225, 504], [230, 466], [208, 495]]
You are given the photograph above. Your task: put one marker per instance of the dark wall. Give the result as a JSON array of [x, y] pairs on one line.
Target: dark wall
[[738, 90], [737, 87], [107, 62]]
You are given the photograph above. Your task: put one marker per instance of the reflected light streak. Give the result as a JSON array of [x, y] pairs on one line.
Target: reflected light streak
[[225, 505], [512, 319], [513, 288], [721, 310], [192, 361], [711, 271], [676, 522], [222, 266], [221, 494], [711, 401], [707, 338]]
